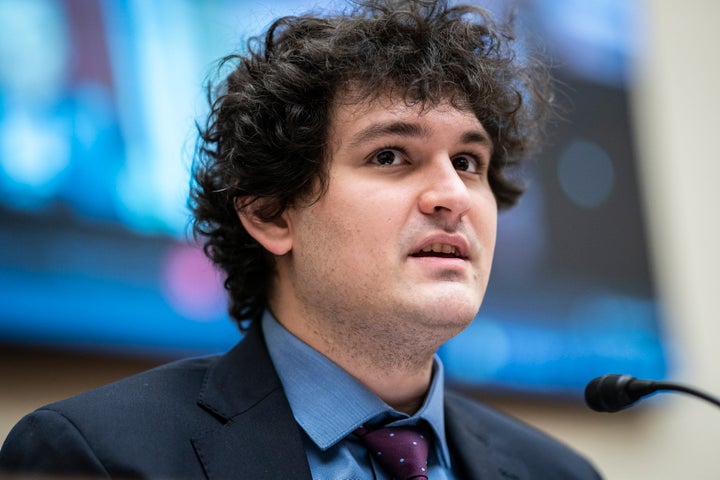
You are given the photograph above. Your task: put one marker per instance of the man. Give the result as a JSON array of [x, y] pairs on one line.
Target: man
[[348, 183]]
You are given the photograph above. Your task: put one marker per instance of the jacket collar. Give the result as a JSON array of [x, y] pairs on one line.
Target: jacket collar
[[472, 449], [256, 435]]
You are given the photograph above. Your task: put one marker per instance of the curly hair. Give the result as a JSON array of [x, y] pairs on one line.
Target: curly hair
[[266, 134]]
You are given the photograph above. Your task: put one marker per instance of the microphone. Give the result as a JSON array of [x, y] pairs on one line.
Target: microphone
[[614, 392]]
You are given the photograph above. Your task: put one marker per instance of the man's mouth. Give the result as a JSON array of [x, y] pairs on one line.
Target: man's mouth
[[441, 250]]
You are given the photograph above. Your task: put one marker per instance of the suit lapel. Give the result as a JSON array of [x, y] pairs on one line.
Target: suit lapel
[[256, 435], [471, 446]]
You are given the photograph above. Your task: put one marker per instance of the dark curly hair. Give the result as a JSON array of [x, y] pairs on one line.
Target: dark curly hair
[[266, 134]]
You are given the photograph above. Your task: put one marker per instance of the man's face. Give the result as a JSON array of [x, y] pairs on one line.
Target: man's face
[[403, 239]]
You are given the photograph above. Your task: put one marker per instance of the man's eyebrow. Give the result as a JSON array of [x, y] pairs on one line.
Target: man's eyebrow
[[403, 129], [477, 136]]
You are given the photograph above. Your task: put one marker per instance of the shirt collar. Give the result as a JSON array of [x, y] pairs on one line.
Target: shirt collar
[[306, 374]]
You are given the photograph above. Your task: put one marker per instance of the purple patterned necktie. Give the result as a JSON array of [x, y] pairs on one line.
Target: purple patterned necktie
[[401, 451]]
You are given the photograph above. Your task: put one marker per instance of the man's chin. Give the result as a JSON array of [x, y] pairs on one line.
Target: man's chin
[[456, 303], [450, 317]]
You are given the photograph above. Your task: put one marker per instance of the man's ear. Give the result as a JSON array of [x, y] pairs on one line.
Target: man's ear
[[274, 235]]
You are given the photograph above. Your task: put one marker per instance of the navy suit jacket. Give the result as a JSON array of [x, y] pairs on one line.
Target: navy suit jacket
[[227, 417]]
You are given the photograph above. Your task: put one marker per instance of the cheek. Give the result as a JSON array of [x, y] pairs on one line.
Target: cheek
[[491, 229], [485, 225], [333, 231], [485, 216], [370, 216]]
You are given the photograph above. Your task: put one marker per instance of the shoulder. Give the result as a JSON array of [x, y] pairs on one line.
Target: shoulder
[[127, 417], [167, 386], [511, 438]]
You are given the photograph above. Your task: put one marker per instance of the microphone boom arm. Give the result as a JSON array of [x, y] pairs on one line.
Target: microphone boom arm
[[676, 387], [613, 392]]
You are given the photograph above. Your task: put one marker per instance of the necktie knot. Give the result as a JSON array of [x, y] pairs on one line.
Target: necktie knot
[[401, 451]]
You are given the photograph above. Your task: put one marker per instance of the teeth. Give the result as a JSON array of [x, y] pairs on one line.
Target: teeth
[[440, 248]]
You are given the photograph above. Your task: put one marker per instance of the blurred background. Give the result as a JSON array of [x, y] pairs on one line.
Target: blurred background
[[604, 266]]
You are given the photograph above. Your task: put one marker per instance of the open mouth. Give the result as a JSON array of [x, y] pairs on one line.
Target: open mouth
[[440, 250]]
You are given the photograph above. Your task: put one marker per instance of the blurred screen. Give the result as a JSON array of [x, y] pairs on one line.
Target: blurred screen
[[98, 101]]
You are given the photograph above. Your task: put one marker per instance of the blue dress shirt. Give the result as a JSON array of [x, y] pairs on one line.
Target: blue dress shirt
[[329, 404]]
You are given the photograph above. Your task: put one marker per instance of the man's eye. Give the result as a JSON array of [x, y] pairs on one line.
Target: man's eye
[[387, 157], [465, 163]]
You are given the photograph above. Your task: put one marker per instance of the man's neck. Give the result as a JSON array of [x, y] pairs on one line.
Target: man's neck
[[405, 392], [399, 375]]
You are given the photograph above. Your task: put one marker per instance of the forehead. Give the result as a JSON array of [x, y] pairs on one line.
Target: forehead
[[353, 101]]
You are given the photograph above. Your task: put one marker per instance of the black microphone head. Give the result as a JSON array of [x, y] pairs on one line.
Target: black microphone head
[[609, 393]]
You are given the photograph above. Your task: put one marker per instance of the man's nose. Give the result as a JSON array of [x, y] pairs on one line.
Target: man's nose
[[444, 191]]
